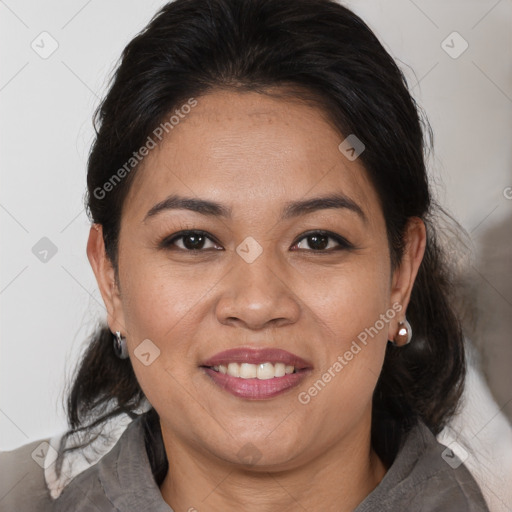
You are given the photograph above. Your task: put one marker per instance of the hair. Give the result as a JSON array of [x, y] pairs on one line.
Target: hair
[[311, 50]]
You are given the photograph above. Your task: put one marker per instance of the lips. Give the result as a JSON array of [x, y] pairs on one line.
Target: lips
[[256, 374]]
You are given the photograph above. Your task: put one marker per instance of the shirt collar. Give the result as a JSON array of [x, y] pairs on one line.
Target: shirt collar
[[125, 476]]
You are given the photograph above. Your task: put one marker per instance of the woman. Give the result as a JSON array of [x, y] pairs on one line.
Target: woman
[[262, 239]]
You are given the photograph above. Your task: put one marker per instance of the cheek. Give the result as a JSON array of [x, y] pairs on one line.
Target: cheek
[[167, 311], [160, 300], [349, 300], [355, 317]]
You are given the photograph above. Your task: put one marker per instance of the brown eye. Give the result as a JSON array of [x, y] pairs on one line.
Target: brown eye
[[324, 241], [189, 240]]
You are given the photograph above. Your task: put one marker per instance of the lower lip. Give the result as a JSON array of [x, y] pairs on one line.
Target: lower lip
[[256, 389]]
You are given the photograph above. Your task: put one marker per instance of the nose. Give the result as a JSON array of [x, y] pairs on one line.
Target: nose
[[257, 295]]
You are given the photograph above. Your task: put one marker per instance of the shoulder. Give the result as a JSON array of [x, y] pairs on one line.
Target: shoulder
[[120, 480], [22, 482], [425, 476], [443, 480]]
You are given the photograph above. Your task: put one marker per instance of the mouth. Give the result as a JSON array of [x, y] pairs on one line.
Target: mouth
[[256, 374]]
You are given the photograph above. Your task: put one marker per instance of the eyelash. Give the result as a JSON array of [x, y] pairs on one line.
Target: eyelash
[[344, 244]]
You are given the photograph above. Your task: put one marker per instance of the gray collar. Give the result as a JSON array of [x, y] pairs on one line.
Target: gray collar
[[121, 481]]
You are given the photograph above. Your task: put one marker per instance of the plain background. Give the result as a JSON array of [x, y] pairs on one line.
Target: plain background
[[48, 308]]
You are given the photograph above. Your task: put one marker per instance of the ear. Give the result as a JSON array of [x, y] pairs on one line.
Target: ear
[[415, 239], [105, 277]]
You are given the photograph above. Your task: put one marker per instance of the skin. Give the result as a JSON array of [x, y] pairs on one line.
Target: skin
[[254, 153]]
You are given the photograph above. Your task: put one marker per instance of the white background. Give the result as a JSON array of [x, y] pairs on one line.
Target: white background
[[46, 106]]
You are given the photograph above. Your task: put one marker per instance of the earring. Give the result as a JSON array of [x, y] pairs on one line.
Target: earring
[[404, 334], [120, 348]]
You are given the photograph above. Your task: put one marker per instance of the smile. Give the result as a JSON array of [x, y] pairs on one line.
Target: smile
[[256, 374], [263, 371]]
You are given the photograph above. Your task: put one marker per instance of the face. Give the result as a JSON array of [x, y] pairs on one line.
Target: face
[[256, 279]]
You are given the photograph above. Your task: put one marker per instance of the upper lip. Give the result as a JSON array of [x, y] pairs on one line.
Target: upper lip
[[257, 356]]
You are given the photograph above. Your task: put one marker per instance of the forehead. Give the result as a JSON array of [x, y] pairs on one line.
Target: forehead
[[246, 149]]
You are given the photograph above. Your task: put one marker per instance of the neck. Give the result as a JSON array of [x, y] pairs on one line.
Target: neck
[[336, 480]]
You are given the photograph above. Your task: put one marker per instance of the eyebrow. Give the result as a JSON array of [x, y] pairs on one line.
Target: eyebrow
[[290, 210]]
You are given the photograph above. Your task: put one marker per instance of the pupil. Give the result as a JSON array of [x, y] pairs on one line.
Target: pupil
[[199, 240], [316, 245]]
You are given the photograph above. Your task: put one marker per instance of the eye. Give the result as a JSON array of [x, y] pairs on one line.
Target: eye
[[191, 240], [197, 240], [319, 241]]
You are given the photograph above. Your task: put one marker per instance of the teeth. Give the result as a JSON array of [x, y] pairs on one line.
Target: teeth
[[234, 369], [279, 370], [263, 371], [248, 371]]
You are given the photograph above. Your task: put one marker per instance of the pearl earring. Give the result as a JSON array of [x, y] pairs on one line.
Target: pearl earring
[[404, 334]]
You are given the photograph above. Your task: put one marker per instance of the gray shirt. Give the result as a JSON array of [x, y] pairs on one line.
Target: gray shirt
[[419, 480]]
